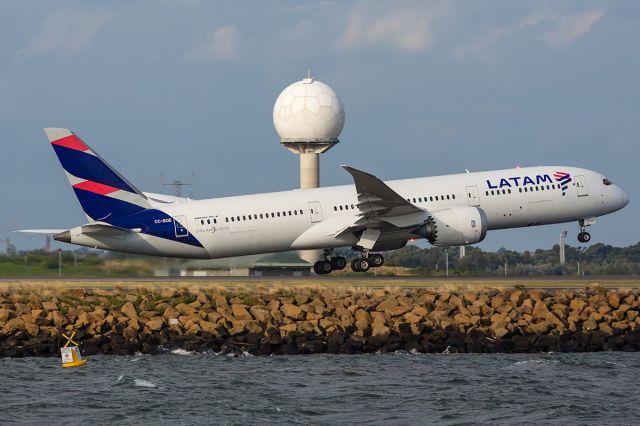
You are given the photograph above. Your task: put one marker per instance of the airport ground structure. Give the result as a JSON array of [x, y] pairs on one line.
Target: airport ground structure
[[303, 319]]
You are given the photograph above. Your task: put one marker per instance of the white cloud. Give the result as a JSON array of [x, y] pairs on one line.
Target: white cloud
[[409, 30], [567, 29], [479, 45], [220, 44], [68, 30]]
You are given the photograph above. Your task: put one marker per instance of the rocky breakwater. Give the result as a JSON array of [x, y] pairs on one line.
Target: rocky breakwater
[[312, 320]]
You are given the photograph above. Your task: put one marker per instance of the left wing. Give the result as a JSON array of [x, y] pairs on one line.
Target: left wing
[[376, 199], [381, 210]]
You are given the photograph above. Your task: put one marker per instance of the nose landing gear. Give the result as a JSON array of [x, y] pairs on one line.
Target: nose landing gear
[[584, 236]]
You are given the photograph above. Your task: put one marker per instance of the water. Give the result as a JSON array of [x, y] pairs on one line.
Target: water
[[400, 388]]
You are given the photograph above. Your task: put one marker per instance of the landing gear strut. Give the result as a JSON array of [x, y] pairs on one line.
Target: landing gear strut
[[583, 236]]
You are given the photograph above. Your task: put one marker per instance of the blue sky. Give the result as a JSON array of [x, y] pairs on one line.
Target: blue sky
[[182, 86]]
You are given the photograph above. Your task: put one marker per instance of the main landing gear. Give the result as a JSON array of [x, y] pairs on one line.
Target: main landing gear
[[584, 236], [327, 265], [336, 263], [367, 261]]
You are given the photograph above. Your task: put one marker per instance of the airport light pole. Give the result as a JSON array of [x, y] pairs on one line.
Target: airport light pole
[[563, 239]]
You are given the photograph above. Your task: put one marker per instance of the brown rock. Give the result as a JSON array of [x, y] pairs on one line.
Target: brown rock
[[620, 325], [289, 328], [221, 302], [420, 311], [13, 325], [260, 313], [516, 298], [605, 328], [590, 324], [527, 306], [399, 310], [387, 304], [240, 312], [129, 310], [380, 330], [614, 300], [540, 328], [5, 315], [632, 315], [554, 320], [577, 305], [412, 318], [540, 310], [59, 320], [185, 309], [237, 327], [155, 324], [50, 306], [291, 311]]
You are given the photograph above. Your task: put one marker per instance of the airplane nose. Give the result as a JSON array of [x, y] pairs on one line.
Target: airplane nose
[[625, 198]]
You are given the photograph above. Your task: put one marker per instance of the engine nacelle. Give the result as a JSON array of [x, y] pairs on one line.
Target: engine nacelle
[[456, 226]]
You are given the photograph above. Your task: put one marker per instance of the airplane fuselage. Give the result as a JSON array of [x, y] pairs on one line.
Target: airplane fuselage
[[312, 218]]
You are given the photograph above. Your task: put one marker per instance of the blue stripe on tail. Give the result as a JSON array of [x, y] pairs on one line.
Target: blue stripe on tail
[[90, 167]]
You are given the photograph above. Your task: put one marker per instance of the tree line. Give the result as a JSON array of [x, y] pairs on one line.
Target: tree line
[[597, 259]]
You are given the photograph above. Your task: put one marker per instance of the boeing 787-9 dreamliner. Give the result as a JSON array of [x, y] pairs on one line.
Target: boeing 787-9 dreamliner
[[369, 216]]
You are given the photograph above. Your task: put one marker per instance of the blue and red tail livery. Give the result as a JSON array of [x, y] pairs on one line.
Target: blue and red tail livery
[[103, 193]]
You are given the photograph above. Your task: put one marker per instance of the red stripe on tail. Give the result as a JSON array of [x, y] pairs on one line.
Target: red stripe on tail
[[95, 187], [72, 142]]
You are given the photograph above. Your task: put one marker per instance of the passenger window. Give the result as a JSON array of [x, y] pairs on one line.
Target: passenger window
[[340, 207], [486, 192], [289, 212], [295, 212], [232, 219], [244, 218], [208, 222], [448, 197], [278, 213], [226, 219], [491, 193], [215, 220], [431, 198], [503, 191], [352, 206], [454, 196], [335, 208], [201, 222], [300, 211], [509, 191]]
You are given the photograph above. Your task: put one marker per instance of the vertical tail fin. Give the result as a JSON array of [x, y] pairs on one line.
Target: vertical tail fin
[[103, 193]]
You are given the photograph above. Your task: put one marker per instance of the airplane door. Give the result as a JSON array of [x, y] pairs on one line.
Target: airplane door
[[581, 186], [178, 222], [316, 211], [472, 196]]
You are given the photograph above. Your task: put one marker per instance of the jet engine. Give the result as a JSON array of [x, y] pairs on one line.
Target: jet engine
[[456, 226]]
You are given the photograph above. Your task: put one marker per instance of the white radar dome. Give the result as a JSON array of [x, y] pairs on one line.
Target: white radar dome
[[308, 111]]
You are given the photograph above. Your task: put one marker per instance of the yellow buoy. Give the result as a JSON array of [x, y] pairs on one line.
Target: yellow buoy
[[71, 356]]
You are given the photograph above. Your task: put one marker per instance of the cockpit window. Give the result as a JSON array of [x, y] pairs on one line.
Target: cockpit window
[[607, 182]]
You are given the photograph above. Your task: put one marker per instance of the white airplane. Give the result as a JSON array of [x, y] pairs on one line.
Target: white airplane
[[369, 216]]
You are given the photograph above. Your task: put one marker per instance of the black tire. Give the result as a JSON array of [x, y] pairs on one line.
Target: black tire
[[338, 263], [376, 260], [355, 265], [584, 237], [364, 265], [322, 267]]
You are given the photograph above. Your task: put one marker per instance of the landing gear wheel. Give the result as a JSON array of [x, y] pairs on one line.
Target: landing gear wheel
[[355, 265], [584, 237], [376, 260], [364, 265], [322, 267], [338, 263]]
